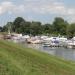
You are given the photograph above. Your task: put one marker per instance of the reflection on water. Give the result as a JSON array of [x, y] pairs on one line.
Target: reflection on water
[[65, 53]]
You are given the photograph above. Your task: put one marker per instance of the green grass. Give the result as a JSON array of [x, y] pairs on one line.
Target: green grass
[[17, 60]]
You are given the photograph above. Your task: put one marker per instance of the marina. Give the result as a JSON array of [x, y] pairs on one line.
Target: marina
[[57, 46], [46, 41]]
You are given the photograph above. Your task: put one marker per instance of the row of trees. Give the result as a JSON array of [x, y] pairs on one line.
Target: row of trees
[[59, 26]]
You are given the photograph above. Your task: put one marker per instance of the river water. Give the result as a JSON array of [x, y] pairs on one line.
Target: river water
[[64, 53]]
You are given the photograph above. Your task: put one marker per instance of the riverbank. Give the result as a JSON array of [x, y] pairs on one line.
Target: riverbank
[[17, 60]]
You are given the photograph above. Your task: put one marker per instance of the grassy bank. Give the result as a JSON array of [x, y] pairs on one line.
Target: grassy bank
[[17, 60]]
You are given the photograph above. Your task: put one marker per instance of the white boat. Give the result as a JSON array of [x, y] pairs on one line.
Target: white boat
[[18, 38], [34, 40], [46, 44], [70, 43]]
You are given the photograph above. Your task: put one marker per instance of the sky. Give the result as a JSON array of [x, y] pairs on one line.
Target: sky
[[37, 10]]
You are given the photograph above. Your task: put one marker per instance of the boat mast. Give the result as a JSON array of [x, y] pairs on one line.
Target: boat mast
[[9, 28]]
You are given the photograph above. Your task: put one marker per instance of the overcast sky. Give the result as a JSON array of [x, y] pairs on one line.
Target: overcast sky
[[37, 10]]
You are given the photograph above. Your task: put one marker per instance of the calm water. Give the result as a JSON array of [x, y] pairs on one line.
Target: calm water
[[64, 53]]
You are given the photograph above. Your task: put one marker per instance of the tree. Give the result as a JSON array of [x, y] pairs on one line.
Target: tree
[[1, 29], [60, 26], [71, 30], [48, 29], [25, 27], [7, 27], [17, 24], [35, 28]]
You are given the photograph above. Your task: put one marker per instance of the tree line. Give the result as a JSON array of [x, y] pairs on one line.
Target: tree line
[[58, 27]]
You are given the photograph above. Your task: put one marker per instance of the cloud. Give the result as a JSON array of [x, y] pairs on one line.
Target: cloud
[[37, 6], [50, 6], [56, 7], [7, 6], [42, 7]]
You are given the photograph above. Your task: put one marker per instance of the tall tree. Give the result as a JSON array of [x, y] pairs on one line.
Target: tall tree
[[48, 29], [17, 24], [71, 30], [25, 27], [60, 26], [35, 28]]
